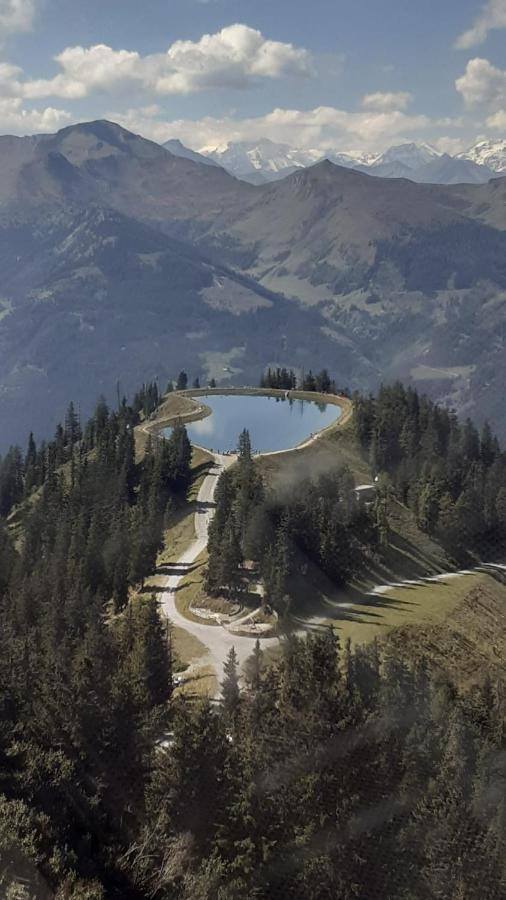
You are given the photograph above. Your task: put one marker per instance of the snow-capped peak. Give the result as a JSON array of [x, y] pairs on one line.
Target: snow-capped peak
[[487, 153], [351, 158], [412, 155], [265, 160], [264, 156]]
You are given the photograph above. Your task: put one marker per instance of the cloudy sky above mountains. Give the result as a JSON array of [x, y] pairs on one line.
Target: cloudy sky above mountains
[[331, 74]]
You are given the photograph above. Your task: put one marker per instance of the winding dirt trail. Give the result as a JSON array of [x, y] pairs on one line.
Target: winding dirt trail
[[216, 638]]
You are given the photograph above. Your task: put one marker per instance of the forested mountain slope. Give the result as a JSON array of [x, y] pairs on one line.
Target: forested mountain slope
[[336, 769]]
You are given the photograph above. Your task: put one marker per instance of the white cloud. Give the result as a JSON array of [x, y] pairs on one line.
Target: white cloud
[[498, 120], [16, 15], [491, 18], [235, 57], [385, 102], [86, 70], [323, 128], [450, 145], [482, 84], [15, 119]]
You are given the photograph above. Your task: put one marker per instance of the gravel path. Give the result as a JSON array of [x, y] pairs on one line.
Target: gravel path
[[217, 638]]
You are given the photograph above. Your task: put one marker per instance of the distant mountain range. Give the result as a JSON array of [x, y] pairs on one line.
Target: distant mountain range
[[262, 161], [121, 260]]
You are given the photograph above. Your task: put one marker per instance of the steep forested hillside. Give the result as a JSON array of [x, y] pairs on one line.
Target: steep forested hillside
[[333, 772]]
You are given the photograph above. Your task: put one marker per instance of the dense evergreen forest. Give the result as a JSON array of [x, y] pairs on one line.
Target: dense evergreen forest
[[331, 776], [286, 379], [84, 678], [452, 476], [336, 772], [321, 521]]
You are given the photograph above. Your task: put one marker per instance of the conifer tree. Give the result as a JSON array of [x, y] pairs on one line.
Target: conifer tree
[[230, 686], [182, 381]]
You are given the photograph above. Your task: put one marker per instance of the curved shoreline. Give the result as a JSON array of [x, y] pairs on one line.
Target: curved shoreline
[[201, 411], [156, 426]]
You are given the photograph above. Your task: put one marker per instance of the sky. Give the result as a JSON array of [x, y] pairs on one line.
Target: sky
[[326, 74]]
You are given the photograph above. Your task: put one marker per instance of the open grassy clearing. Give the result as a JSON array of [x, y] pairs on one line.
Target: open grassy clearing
[[175, 406], [469, 644], [220, 366], [431, 373], [427, 604], [186, 647], [200, 682]]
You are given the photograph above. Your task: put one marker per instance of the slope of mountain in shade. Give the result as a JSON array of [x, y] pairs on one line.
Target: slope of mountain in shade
[[96, 298], [448, 170], [178, 149]]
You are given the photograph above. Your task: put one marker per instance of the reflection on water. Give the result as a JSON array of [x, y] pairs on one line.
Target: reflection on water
[[273, 422], [202, 427]]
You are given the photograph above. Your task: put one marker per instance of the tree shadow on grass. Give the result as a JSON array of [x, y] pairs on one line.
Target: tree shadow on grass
[[176, 568], [204, 468], [202, 506], [364, 610]]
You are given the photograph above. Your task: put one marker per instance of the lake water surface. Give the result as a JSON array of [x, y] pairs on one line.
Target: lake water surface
[[273, 423]]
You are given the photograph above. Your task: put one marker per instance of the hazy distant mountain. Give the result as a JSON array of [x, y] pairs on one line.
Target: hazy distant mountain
[[393, 169], [411, 155], [265, 161], [442, 169], [122, 261], [351, 160], [178, 149], [449, 170], [488, 153], [264, 158]]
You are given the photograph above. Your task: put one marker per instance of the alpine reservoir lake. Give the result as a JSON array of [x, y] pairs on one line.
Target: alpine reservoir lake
[[274, 423]]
